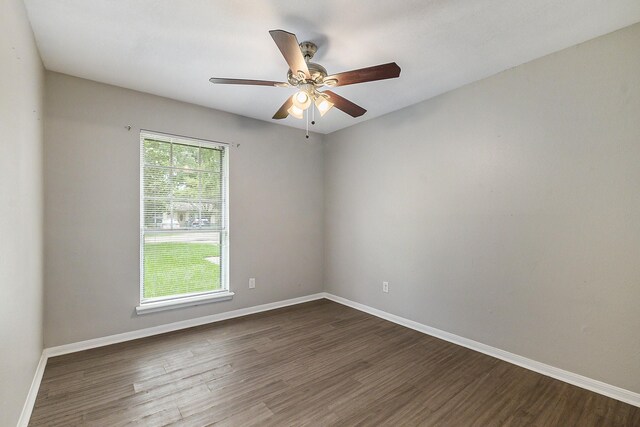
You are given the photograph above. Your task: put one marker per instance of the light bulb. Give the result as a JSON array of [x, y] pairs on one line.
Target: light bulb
[[323, 105], [302, 97], [295, 111], [302, 100]]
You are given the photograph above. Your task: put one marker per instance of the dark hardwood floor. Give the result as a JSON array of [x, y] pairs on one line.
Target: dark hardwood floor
[[318, 363]]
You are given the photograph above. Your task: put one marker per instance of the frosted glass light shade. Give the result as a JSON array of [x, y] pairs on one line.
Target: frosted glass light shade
[[323, 105], [295, 111]]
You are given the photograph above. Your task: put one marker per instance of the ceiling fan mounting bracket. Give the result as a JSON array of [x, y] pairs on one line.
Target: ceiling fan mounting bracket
[[308, 50]]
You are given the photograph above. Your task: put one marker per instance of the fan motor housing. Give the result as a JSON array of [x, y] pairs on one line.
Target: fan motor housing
[[317, 71]]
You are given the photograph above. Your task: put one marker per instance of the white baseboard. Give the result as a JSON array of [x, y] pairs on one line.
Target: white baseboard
[[170, 327], [25, 415], [596, 386]]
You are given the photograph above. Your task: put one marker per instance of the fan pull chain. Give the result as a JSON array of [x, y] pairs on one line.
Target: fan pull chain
[[307, 115], [313, 115]]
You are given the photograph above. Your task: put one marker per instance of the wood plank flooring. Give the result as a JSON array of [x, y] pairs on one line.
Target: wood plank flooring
[[318, 363]]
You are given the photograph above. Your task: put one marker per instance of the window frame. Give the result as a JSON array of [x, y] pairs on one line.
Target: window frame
[[149, 305]]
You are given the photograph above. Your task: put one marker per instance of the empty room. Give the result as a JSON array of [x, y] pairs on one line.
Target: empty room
[[336, 213]]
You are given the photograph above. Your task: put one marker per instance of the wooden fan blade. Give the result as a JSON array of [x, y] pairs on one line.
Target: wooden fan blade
[[282, 113], [290, 48], [345, 105], [369, 74], [222, 81]]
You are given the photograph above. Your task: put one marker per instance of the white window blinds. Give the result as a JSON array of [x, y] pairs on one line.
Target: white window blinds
[[183, 216]]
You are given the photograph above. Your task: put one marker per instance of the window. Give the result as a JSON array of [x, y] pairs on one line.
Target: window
[[183, 222]]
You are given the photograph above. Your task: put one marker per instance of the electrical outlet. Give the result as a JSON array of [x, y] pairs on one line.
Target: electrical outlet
[[252, 283], [385, 287]]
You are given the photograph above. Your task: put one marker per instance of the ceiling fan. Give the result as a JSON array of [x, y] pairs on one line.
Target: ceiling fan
[[309, 77]]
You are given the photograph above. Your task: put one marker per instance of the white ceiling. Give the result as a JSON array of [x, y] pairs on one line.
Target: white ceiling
[[171, 48]]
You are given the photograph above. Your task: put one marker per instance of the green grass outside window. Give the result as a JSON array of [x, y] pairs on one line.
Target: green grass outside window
[[180, 268]]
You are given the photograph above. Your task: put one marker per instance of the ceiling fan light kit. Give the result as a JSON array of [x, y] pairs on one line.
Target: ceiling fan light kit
[[308, 77]]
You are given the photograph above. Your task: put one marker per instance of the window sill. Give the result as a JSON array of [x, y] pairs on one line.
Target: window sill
[[152, 307]]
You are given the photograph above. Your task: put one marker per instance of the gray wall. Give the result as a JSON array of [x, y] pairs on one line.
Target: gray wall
[[21, 91], [507, 211], [92, 207]]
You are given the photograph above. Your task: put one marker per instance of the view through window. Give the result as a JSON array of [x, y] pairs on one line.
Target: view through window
[[183, 217]]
